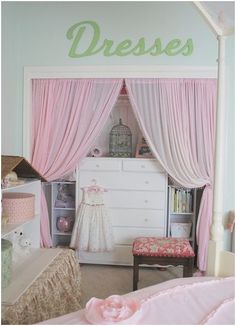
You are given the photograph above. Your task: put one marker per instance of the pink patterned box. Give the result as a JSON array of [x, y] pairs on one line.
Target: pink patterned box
[[18, 207]]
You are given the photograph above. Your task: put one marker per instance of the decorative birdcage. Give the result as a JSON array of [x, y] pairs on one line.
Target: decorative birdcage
[[120, 141]]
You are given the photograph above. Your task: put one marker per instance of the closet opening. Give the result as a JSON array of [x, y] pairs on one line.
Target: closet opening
[[161, 224], [122, 112]]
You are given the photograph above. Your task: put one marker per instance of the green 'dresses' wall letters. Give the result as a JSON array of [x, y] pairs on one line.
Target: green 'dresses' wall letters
[[77, 31]]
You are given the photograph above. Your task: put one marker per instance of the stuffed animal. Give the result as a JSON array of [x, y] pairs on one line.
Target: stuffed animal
[[25, 245], [21, 246], [64, 198], [25, 242], [9, 179], [17, 235]]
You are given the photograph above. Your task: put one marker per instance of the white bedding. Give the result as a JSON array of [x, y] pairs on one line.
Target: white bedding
[[182, 301]]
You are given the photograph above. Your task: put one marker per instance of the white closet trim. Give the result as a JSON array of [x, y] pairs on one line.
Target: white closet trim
[[101, 72], [121, 72]]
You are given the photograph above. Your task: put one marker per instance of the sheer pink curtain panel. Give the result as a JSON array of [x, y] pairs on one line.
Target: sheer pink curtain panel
[[67, 116], [177, 117]]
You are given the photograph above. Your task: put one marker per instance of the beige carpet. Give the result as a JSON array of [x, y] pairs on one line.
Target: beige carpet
[[102, 281]]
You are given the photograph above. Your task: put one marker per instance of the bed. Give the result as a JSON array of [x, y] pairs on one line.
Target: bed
[[203, 300], [182, 301], [208, 300]]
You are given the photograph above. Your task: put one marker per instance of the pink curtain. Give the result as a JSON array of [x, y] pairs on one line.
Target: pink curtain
[[67, 116], [177, 118]]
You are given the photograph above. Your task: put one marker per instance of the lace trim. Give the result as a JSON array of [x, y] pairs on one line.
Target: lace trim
[[185, 286], [212, 313], [84, 203]]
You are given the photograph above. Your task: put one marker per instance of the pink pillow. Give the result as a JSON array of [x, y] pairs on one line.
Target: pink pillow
[[114, 309]]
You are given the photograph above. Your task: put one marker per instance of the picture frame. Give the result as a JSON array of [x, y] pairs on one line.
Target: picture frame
[[143, 150]]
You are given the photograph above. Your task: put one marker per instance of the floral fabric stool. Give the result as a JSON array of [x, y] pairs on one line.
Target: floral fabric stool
[[162, 251]]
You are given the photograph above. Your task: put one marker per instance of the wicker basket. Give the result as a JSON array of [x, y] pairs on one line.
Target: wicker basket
[[180, 230]]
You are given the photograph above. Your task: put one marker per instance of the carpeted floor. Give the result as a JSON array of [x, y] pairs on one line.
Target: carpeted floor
[[102, 281]]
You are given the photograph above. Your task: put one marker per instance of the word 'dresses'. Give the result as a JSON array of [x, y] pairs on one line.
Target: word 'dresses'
[[77, 34]]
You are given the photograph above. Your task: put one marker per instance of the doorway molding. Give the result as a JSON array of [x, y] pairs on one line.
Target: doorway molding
[[41, 72]]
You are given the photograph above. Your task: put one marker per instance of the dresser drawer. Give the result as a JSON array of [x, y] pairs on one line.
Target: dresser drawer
[[127, 235], [136, 199], [149, 218], [125, 180], [142, 165], [100, 164]]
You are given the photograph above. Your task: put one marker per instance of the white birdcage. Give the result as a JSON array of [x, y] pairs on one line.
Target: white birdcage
[[120, 144]]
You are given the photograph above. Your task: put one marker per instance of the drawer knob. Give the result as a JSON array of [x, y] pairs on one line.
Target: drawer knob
[[97, 165], [147, 182], [146, 219], [146, 201], [142, 166]]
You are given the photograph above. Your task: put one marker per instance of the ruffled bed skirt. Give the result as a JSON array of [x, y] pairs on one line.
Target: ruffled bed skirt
[[54, 293]]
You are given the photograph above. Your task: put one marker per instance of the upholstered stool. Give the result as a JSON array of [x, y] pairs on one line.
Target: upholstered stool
[[162, 251]]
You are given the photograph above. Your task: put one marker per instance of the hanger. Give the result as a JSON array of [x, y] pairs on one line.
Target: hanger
[[94, 186]]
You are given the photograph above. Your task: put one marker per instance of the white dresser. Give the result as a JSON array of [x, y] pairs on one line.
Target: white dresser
[[136, 198]]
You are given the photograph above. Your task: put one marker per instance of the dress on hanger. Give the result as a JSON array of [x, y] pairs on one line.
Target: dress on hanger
[[92, 230]]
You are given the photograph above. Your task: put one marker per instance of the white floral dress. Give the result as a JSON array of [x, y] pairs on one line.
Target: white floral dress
[[92, 230]]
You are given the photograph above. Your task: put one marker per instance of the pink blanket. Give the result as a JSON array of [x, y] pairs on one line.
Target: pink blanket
[[182, 301]]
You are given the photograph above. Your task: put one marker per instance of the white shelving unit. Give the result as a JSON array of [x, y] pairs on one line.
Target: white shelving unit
[[58, 209], [182, 209], [25, 272]]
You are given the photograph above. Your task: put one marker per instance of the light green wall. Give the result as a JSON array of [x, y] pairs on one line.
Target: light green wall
[[34, 34], [41, 30]]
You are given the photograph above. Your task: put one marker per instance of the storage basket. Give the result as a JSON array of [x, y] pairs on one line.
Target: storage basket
[[18, 207], [180, 229]]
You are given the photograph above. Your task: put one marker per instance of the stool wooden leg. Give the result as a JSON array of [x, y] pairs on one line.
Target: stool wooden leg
[[188, 268], [135, 273]]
